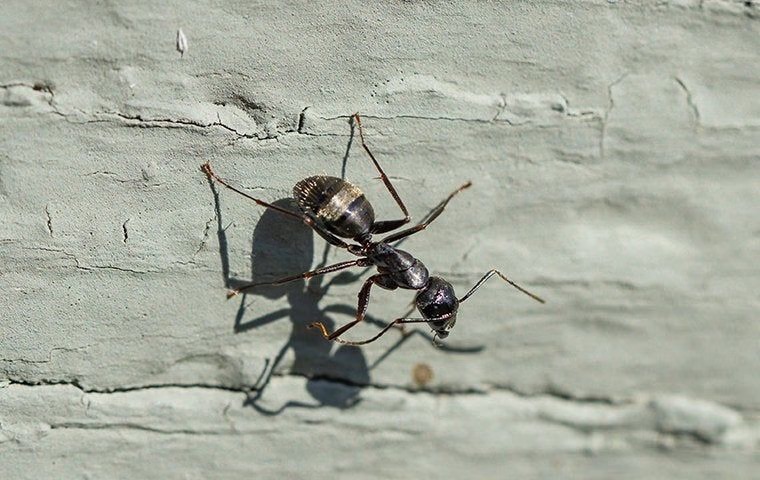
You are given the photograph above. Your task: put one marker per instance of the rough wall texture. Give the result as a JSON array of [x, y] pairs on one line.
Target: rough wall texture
[[615, 155]]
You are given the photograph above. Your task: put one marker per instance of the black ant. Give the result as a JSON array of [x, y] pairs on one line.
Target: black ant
[[338, 210]]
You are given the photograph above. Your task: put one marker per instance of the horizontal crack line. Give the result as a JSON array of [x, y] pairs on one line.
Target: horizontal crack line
[[702, 423]]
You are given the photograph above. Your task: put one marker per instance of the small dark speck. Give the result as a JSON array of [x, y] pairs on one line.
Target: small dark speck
[[125, 232], [49, 221], [43, 87], [301, 120]]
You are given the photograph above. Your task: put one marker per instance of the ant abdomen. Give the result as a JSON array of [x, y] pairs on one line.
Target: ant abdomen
[[338, 205]]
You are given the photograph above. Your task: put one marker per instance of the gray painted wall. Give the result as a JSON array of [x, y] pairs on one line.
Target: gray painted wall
[[614, 152]]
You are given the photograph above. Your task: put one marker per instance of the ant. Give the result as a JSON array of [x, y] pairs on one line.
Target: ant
[[337, 210]]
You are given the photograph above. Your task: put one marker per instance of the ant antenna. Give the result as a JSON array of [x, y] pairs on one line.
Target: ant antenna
[[490, 274]]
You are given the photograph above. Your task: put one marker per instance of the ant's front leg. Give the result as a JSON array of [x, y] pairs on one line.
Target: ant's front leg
[[433, 215], [382, 280], [393, 324]]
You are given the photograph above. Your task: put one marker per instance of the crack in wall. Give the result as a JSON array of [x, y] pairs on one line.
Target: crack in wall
[[696, 118], [702, 423], [232, 430], [80, 265], [444, 390], [85, 389], [121, 269], [167, 122], [49, 221], [606, 115], [164, 122], [300, 128], [301, 121], [49, 359], [65, 253], [417, 117], [206, 231], [88, 268]]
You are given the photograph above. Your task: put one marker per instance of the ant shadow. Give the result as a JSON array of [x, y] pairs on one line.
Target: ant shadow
[[283, 246]]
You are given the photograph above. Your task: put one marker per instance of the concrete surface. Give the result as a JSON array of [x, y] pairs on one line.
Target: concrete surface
[[614, 149]]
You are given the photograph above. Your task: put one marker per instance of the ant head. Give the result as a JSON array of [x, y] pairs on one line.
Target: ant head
[[438, 304]]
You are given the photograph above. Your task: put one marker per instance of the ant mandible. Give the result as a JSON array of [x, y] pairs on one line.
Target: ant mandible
[[337, 210]]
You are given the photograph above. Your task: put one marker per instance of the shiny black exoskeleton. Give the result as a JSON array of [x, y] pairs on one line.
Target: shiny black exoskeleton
[[338, 206], [338, 210]]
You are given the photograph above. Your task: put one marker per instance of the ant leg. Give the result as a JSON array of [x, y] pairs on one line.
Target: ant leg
[[490, 274], [382, 332], [206, 168], [362, 262], [361, 309], [329, 237], [401, 328], [387, 225], [433, 215]]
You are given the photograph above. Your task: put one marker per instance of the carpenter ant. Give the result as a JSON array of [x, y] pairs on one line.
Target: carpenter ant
[[338, 210]]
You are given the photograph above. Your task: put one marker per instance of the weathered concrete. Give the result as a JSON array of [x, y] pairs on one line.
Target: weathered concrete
[[614, 150]]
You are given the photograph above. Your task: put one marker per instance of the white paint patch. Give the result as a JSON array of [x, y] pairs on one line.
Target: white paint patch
[[181, 42]]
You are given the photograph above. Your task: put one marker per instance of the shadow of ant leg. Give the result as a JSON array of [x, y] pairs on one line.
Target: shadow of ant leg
[[288, 404], [241, 326], [261, 386], [348, 148], [302, 276], [221, 234], [390, 350]]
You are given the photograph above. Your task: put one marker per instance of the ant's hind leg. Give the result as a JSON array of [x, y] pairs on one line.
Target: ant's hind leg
[[329, 237], [206, 168]]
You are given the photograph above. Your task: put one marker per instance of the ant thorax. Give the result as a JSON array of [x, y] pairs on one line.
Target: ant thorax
[[405, 270]]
